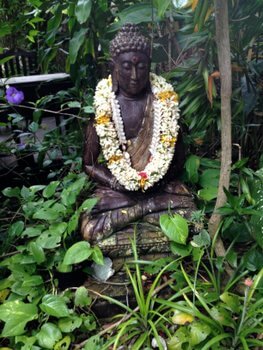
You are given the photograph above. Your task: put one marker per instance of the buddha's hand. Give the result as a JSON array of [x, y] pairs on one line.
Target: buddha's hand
[[103, 176]]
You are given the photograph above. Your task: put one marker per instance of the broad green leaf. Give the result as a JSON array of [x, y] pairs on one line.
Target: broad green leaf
[[88, 204], [58, 228], [180, 249], [50, 189], [175, 227], [48, 335], [209, 178], [48, 214], [201, 240], [232, 301], [180, 337], [63, 344], [12, 192], [192, 165], [199, 331], [25, 193], [77, 253], [54, 305], [75, 44], [207, 194], [32, 281], [47, 240], [16, 229], [69, 324], [82, 10], [162, 6], [73, 222], [33, 127], [69, 194], [97, 255], [27, 341], [16, 314], [82, 297], [93, 343], [37, 252], [222, 316]]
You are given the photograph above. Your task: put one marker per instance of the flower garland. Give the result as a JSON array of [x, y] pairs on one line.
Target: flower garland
[[110, 129]]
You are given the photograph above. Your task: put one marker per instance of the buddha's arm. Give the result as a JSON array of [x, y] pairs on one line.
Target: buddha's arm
[[97, 172]]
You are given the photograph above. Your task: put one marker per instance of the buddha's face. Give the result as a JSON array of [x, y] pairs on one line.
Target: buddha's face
[[132, 73]]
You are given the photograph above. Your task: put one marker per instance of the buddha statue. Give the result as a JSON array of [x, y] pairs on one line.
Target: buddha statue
[[136, 128]]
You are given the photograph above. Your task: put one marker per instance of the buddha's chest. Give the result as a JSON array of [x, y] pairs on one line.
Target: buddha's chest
[[133, 114]]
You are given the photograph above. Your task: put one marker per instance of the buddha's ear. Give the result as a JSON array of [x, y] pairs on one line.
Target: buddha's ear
[[114, 75]]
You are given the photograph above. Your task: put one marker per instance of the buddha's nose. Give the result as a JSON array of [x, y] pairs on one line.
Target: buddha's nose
[[134, 73]]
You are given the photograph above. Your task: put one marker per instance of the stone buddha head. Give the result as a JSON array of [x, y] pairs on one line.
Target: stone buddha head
[[130, 62]]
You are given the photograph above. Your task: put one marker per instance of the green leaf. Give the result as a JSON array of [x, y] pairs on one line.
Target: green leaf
[[222, 316], [69, 324], [199, 331], [192, 165], [82, 10], [180, 337], [32, 281], [77, 253], [175, 227], [54, 305], [11, 192], [88, 204], [33, 127], [48, 335], [16, 229], [97, 255], [37, 252], [209, 178], [75, 44], [180, 249], [47, 214], [201, 240], [82, 297], [63, 344], [25, 193], [207, 194], [73, 222], [162, 6], [47, 240], [232, 301], [93, 343], [50, 189], [16, 314]]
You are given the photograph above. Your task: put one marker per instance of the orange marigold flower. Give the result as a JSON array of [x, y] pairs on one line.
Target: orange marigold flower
[[103, 119], [168, 139], [165, 95], [114, 159]]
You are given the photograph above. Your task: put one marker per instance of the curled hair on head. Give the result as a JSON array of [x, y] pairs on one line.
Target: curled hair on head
[[129, 39]]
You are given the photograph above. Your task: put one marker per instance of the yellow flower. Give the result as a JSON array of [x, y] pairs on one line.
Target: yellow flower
[[114, 158], [168, 139], [103, 119], [165, 95], [142, 182]]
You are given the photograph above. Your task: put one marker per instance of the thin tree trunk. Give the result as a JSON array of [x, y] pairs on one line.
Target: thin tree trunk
[[224, 59]]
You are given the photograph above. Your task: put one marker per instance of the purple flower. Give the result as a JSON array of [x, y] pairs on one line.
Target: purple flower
[[14, 96]]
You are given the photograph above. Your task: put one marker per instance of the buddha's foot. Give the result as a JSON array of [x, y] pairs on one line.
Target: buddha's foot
[[94, 230]]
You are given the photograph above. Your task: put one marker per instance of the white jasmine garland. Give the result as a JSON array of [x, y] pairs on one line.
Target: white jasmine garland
[[110, 129]]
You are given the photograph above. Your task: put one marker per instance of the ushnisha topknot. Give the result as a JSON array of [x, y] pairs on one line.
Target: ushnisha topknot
[[129, 38]]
